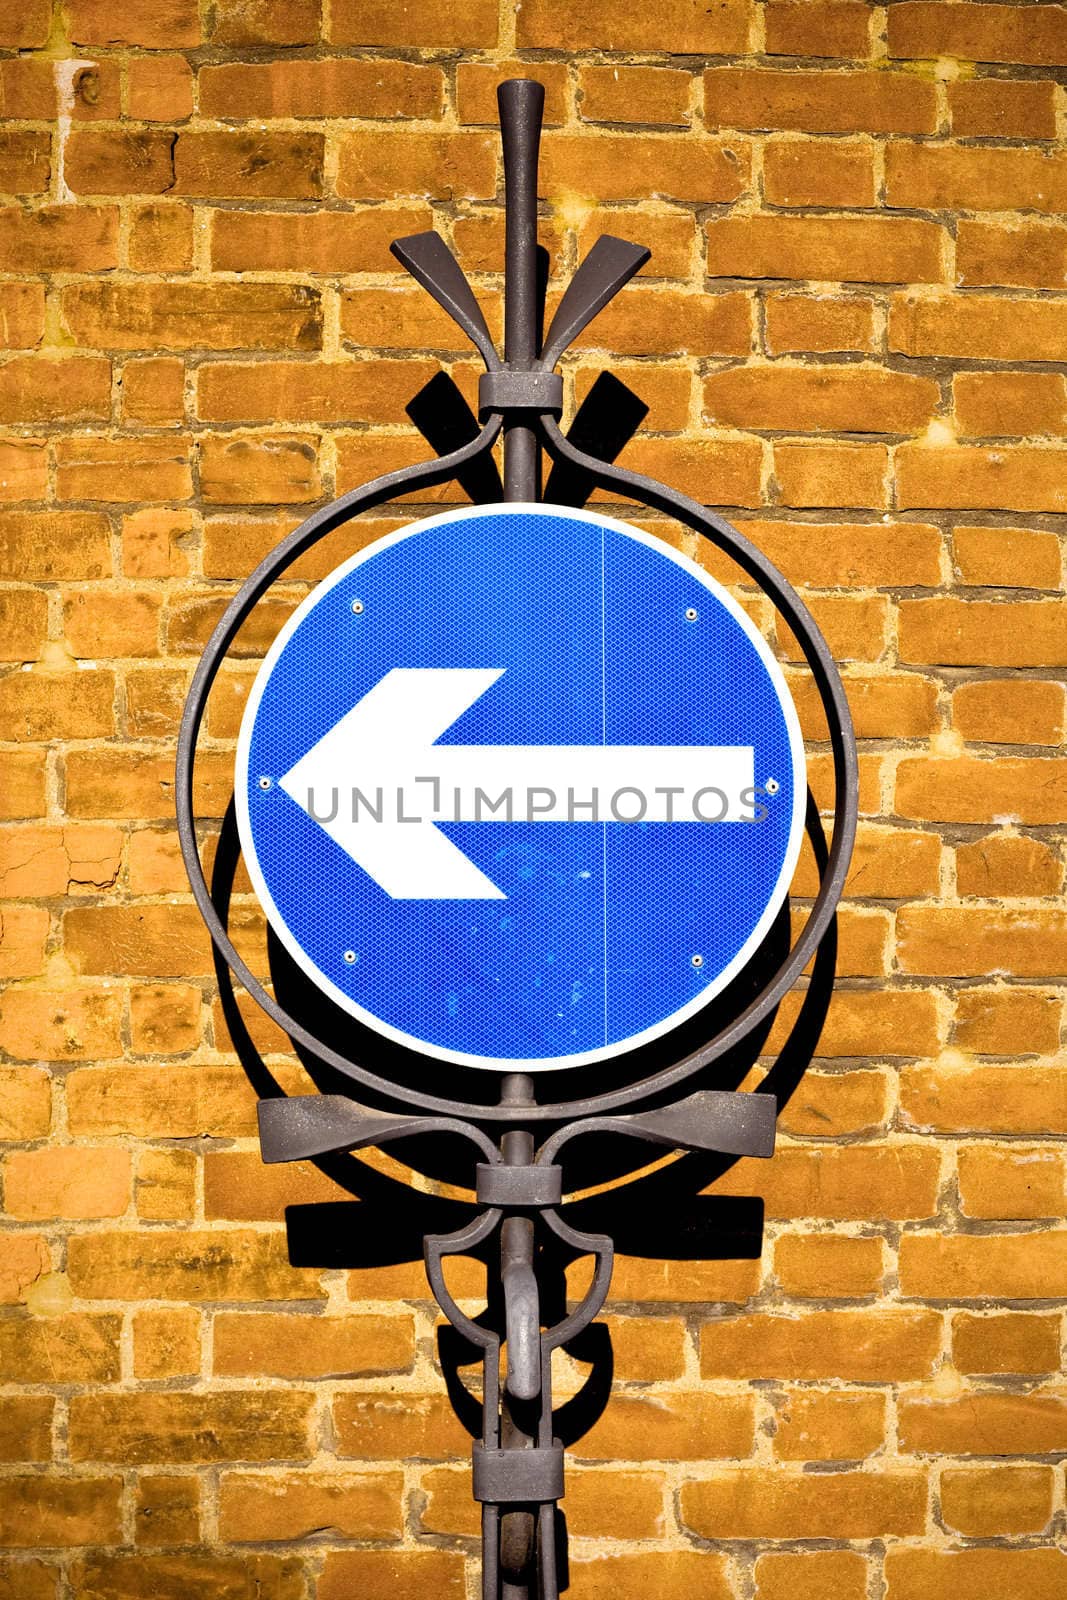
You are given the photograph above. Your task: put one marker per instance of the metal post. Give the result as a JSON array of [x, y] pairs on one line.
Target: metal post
[[517, 1528], [522, 103]]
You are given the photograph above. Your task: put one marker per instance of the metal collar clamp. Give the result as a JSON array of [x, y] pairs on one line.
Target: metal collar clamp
[[511, 389]]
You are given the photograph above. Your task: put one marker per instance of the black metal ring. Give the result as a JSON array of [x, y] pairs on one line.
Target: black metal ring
[[647, 492]]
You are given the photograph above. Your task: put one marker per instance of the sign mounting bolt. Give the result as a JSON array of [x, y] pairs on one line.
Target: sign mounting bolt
[[350, 958], [266, 783], [698, 961], [357, 608], [691, 613], [772, 786]]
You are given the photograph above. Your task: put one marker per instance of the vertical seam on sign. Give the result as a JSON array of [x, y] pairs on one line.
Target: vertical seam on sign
[[603, 741]]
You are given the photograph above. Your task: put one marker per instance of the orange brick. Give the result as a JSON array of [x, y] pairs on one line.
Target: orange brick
[[25, 161], [859, 1346], [1028, 255], [160, 88], [25, 1102], [983, 32], [850, 249], [155, 697], [184, 1265], [973, 178], [1012, 1184], [62, 1024], [255, 1506], [166, 1342], [259, 22], [153, 390], [830, 397], [167, 1510], [818, 1265], [985, 1501], [26, 1428], [477, 83], [164, 1018], [119, 161], [37, 389], [60, 1511], [825, 28], [978, 941], [1010, 404], [812, 1575], [124, 622], [654, 1281], [64, 238], [155, 543], [23, 793], [985, 1099], [1001, 1574], [718, 472], [831, 474], [401, 22], [1029, 633], [1010, 558], [1006, 1341], [969, 789], [28, 86], [819, 102], [23, 935], [1002, 109], [21, 315], [1004, 864], [236, 469], [985, 1424], [193, 316], [250, 1346], [797, 173], [749, 1503], [23, 470], [1030, 1266], [670, 1426], [832, 1425], [647, 1348], [1007, 1021], [324, 88], [374, 1425], [123, 469], [207, 1575], [994, 327], [157, 1102], [639, 166], [294, 391], [243, 1426], [54, 544], [169, 25], [166, 1185], [24, 29], [966, 478], [693, 28], [381, 165], [797, 323], [635, 94], [39, 862], [831, 1104], [875, 1023], [999, 711], [76, 1348], [282, 166], [62, 1182], [313, 242], [378, 1574], [161, 240]]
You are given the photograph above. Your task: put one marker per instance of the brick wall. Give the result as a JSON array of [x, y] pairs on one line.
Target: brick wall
[[848, 336]]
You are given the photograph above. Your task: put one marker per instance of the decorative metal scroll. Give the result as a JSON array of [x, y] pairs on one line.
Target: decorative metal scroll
[[519, 1183]]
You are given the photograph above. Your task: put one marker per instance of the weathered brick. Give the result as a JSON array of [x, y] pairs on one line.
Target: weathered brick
[[974, 178], [258, 22], [61, 238], [859, 1346], [1003, 108], [178, 1574], [1012, 404], [160, 88], [161, 238], [850, 249], [36, 1511], [123, 622], [1006, 864], [797, 323], [650, 95], [240, 1426], [811, 1575], [984, 1424], [167, 1510], [380, 1573], [24, 933], [1006, 1341], [833, 1425], [983, 32], [281, 166], [999, 711], [21, 315], [819, 102], [632, 166], [797, 173], [277, 469], [440, 166], [1015, 1184], [1031, 1266], [62, 1182], [1007, 1021], [1026, 255], [193, 316], [168, 24], [828, 1265], [248, 1346], [754, 1503], [23, 469], [292, 391], [26, 1428], [978, 941], [257, 1506], [324, 88], [26, 27], [25, 161], [57, 861], [54, 544], [76, 1348], [831, 1104], [1009, 558], [62, 1024], [313, 242], [166, 1185], [153, 390], [831, 398], [465, 23], [176, 1264], [119, 161], [139, 784], [166, 1342], [985, 1099], [969, 789], [693, 28], [817, 28], [1001, 1574], [831, 474], [992, 327]]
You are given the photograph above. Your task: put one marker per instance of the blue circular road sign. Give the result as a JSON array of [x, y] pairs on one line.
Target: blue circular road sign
[[520, 787]]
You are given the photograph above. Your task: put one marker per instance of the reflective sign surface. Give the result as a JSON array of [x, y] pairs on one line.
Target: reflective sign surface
[[520, 787]]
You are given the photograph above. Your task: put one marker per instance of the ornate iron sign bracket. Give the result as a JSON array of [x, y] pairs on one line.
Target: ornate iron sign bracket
[[519, 1183]]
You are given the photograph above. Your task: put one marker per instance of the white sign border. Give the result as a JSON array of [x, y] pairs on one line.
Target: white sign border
[[518, 1063]]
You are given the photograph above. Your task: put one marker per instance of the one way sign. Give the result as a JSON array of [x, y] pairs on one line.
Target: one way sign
[[520, 787]]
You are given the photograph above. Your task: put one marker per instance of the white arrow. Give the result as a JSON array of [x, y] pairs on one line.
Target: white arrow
[[378, 783]]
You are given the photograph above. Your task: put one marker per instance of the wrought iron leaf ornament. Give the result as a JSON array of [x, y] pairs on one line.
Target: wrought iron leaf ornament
[[519, 1143]]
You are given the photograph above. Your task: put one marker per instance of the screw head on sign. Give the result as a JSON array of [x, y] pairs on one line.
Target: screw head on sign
[[691, 613], [772, 786], [265, 782], [698, 961], [350, 958], [357, 608]]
